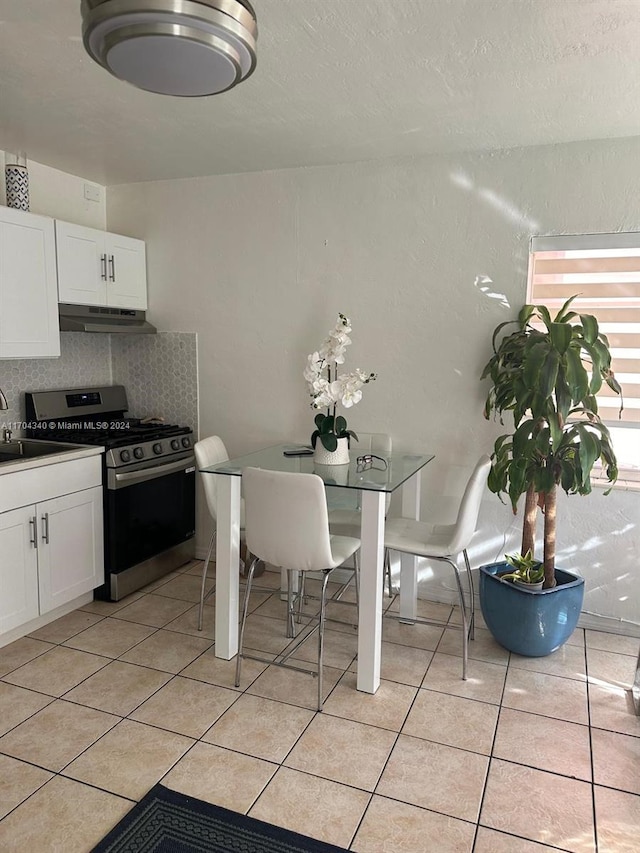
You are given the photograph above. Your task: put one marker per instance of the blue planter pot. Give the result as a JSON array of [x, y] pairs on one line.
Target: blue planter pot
[[529, 622]]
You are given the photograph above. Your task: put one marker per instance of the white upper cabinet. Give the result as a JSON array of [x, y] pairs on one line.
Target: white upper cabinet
[[28, 286], [99, 268]]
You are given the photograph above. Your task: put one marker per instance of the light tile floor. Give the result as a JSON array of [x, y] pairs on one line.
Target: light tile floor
[[528, 755]]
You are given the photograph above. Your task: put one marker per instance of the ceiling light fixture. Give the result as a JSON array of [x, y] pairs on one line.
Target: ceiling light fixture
[[188, 48]]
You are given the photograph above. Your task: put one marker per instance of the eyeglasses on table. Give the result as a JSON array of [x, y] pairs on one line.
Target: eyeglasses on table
[[370, 460]]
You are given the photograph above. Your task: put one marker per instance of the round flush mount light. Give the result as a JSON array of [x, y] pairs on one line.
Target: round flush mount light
[[187, 48]]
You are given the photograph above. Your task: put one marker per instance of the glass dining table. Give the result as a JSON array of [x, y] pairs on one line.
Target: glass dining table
[[399, 471]]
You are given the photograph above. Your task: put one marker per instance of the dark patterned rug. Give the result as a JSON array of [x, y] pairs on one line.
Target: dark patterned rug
[[168, 822]]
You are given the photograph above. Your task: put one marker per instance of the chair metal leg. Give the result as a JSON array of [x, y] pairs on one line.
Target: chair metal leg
[[245, 609], [472, 607], [301, 580], [387, 571], [291, 602], [465, 618], [356, 575], [323, 598], [205, 569]]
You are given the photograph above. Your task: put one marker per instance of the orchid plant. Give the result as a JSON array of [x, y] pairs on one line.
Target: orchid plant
[[328, 388]]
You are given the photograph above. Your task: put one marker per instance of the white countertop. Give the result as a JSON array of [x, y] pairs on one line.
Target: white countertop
[[67, 453]]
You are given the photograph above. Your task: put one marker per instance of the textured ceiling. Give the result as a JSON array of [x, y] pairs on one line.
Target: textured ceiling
[[337, 81]]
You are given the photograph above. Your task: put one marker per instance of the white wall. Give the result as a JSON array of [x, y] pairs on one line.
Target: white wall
[[426, 256], [60, 195]]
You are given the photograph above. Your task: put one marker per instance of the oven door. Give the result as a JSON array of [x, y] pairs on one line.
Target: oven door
[[148, 510]]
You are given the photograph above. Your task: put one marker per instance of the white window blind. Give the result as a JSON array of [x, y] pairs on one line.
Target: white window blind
[[604, 269]]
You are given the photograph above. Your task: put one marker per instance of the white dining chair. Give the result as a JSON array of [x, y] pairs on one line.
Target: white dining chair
[[346, 521], [211, 451], [287, 526], [444, 542]]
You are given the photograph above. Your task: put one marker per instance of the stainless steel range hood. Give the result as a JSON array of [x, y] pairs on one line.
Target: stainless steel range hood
[[94, 318]]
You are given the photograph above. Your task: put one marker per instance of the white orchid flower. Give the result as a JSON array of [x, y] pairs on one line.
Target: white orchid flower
[[314, 367], [344, 389]]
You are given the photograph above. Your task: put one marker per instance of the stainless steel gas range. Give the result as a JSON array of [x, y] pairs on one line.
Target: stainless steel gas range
[[148, 478]]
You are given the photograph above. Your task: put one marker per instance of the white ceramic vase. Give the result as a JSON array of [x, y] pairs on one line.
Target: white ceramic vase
[[333, 475], [339, 456], [17, 183]]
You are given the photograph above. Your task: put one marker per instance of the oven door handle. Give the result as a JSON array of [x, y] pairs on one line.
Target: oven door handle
[[132, 478]]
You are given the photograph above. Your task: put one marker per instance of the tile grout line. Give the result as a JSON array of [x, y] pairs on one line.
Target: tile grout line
[[591, 761], [493, 743]]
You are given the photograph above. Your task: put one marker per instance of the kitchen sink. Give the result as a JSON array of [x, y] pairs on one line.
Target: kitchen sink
[[12, 451]]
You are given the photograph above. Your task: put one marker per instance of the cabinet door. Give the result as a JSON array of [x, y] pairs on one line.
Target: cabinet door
[[28, 286], [18, 568], [82, 264], [127, 272], [70, 547]]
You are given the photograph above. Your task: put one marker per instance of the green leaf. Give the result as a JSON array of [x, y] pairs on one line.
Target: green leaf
[[549, 373], [561, 334], [560, 316], [543, 313], [577, 376], [543, 445], [319, 420], [589, 451], [327, 425], [497, 331], [563, 393], [525, 314], [544, 478], [329, 441], [341, 425], [568, 476], [314, 437], [522, 437], [517, 481], [555, 429], [589, 327], [533, 363]]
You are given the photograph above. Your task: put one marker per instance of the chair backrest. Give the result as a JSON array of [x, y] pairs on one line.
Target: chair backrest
[[286, 519], [210, 451], [465, 525], [372, 442]]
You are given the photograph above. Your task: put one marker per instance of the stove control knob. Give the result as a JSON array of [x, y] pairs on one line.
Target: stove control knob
[[186, 442], [175, 444], [125, 456], [157, 448], [138, 452]]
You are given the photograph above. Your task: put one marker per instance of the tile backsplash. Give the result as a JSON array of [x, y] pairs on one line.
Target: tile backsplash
[[84, 360], [160, 373]]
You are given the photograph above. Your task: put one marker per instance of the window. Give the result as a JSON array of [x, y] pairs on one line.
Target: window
[[604, 269]]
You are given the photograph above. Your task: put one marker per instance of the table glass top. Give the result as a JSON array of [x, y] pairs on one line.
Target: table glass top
[[399, 467]]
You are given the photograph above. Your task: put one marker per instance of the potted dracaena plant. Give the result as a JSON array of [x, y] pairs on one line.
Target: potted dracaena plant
[[328, 388], [546, 373]]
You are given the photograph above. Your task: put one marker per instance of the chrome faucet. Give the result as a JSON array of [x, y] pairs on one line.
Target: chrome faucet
[[3, 401]]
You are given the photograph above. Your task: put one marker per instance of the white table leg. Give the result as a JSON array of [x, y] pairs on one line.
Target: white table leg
[[409, 563], [371, 579], [227, 564]]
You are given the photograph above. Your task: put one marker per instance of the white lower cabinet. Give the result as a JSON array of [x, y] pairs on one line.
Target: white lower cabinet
[[51, 551], [70, 558], [18, 568]]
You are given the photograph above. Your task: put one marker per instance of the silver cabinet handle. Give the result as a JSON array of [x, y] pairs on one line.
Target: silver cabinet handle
[[103, 267], [33, 522], [112, 267], [45, 528]]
